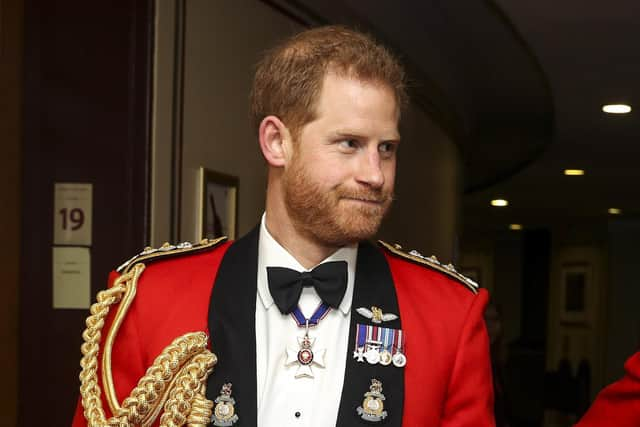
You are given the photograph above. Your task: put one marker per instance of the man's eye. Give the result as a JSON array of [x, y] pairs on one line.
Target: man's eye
[[387, 147], [349, 143]]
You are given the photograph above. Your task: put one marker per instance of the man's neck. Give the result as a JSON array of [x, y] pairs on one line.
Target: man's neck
[[304, 249]]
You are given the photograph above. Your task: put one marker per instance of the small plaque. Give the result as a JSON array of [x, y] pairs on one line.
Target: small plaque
[[71, 277], [72, 214]]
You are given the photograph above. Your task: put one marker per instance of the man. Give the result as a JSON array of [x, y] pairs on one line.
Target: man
[[364, 335], [619, 403]]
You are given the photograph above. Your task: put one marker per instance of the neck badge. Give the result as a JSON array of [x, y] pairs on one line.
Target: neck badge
[[304, 356], [372, 408], [224, 413], [376, 315]]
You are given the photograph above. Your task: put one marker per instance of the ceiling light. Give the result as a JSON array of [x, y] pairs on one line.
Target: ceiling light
[[574, 172], [499, 202], [515, 227], [614, 211], [616, 108]]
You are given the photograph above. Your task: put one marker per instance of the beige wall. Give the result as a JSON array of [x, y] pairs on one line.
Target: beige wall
[[10, 132], [224, 39], [425, 213]]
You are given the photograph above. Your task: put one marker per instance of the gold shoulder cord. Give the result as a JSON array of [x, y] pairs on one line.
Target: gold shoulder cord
[[175, 384]]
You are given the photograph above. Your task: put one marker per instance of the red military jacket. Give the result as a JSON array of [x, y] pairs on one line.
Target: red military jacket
[[619, 403], [446, 381]]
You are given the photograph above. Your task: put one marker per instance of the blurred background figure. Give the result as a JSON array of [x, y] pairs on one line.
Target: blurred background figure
[[493, 320]]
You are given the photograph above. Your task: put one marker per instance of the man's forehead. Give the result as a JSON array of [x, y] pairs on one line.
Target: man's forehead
[[356, 93]]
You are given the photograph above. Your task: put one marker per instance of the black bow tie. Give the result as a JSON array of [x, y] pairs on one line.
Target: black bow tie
[[328, 279]]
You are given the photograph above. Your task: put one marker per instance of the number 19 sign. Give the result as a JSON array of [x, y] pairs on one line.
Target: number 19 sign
[[72, 214]]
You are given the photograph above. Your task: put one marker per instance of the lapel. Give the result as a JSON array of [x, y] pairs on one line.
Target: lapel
[[373, 287], [232, 313]]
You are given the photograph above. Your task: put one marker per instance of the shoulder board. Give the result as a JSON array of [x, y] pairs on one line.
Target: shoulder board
[[168, 250], [431, 262]]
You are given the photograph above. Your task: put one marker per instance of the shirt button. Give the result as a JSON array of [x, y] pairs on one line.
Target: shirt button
[[297, 414]]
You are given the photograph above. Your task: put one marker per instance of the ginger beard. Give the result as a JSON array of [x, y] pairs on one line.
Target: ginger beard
[[329, 215]]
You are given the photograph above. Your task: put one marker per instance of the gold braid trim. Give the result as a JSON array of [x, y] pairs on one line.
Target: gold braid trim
[[175, 382]]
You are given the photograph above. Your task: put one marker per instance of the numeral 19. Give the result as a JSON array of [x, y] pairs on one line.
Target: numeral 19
[[73, 218]]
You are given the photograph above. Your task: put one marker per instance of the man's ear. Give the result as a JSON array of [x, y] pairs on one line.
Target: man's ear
[[275, 140]]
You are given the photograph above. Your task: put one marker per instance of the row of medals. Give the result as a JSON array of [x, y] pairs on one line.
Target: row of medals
[[372, 354]]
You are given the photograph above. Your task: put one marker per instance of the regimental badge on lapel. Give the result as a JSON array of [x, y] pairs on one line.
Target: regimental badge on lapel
[[372, 408], [224, 413]]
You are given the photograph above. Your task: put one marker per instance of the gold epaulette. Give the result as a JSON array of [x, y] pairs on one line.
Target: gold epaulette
[[169, 250], [431, 262]]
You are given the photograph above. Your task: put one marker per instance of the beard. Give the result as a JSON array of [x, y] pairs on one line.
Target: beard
[[331, 216]]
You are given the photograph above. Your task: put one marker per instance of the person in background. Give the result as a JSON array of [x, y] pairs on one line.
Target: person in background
[[619, 403], [493, 319]]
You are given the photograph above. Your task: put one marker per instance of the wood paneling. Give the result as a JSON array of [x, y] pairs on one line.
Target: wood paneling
[[10, 101]]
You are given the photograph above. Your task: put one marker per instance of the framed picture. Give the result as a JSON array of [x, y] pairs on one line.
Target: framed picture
[[219, 204], [575, 294]]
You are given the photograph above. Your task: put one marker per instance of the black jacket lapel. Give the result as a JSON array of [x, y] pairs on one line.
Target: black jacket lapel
[[232, 314], [373, 287]]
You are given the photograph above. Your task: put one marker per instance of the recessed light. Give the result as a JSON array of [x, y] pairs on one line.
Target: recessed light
[[616, 108], [574, 172], [499, 202], [515, 227], [614, 211]]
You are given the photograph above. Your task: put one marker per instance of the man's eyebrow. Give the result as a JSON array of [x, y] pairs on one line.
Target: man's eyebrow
[[347, 134]]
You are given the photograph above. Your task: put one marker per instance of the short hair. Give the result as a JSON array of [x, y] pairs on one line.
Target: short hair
[[289, 77]]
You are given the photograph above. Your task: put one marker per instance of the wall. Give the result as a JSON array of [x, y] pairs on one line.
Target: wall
[[623, 321], [11, 15], [425, 211], [223, 40]]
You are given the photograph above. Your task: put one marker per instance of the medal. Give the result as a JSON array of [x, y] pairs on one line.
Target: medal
[[224, 413], [373, 356], [387, 339], [361, 337], [399, 359], [372, 408], [304, 356], [385, 358]]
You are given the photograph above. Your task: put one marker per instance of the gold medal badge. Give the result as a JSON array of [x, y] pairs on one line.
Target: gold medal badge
[[372, 408]]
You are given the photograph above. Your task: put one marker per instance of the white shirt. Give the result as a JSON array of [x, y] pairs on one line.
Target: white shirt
[[280, 395]]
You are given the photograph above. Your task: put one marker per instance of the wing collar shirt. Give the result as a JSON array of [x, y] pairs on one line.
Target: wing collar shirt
[[284, 400]]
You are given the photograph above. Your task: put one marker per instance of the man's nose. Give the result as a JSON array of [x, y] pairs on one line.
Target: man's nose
[[370, 169]]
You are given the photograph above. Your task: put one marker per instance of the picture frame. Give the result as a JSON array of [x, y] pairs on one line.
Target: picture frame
[[219, 204], [575, 294]]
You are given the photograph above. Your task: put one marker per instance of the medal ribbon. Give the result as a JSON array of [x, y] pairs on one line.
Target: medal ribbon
[[361, 336], [387, 338], [398, 339], [320, 313]]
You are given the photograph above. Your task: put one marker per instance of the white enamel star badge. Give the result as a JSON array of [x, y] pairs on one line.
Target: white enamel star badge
[[305, 357]]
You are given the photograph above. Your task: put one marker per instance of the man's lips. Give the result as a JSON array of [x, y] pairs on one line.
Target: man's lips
[[365, 200]]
